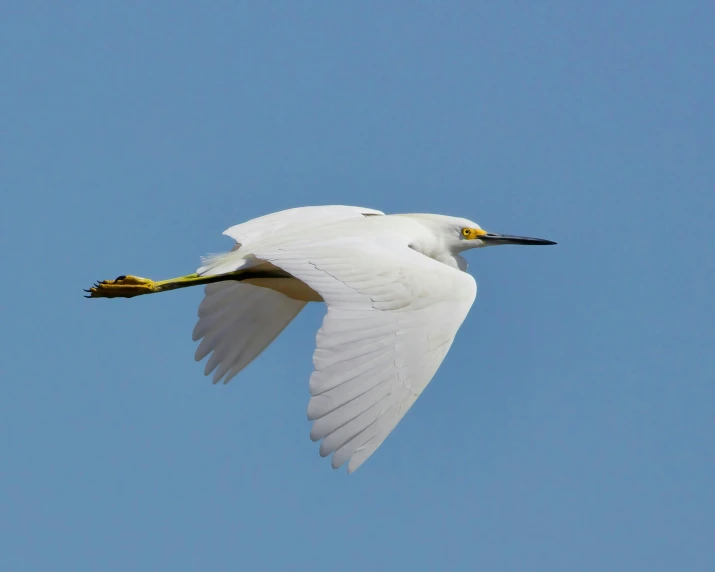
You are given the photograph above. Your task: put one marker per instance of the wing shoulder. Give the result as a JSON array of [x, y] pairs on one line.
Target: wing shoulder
[[263, 226], [295, 221]]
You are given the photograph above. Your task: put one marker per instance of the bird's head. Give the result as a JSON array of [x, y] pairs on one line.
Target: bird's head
[[462, 234]]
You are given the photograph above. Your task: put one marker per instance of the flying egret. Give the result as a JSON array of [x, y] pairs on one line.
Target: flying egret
[[396, 291]]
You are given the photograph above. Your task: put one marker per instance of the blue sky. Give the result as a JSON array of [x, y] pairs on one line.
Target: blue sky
[[571, 426]]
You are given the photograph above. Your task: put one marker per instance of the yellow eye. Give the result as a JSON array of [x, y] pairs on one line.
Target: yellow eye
[[466, 232]]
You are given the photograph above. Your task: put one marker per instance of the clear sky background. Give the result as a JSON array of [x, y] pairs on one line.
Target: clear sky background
[[572, 425]]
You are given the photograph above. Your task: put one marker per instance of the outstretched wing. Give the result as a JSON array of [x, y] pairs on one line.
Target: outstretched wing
[[293, 220], [310, 217], [392, 316], [237, 322]]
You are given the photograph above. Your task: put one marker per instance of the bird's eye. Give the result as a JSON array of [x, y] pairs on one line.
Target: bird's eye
[[466, 232]]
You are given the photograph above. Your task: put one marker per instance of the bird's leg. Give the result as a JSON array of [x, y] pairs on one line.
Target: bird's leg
[[122, 287], [130, 286]]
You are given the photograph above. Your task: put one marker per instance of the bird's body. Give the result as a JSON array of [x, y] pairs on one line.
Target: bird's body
[[396, 291], [415, 231]]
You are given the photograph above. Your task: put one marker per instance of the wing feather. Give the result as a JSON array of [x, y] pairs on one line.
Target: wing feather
[[236, 323], [392, 315], [295, 220], [258, 228]]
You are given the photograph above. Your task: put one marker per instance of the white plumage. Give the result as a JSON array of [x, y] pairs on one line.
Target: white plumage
[[237, 322], [396, 294]]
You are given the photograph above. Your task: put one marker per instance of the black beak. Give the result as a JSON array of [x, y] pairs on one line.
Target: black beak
[[491, 238]]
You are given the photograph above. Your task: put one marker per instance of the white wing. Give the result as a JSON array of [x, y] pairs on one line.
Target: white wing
[[237, 322], [392, 315], [263, 226], [292, 220]]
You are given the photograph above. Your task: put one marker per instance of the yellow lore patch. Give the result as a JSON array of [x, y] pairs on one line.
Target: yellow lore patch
[[472, 233]]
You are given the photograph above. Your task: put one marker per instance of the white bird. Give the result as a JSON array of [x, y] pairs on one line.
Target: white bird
[[396, 292]]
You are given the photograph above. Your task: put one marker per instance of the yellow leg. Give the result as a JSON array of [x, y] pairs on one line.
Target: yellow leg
[[130, 286], [122, 287]]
